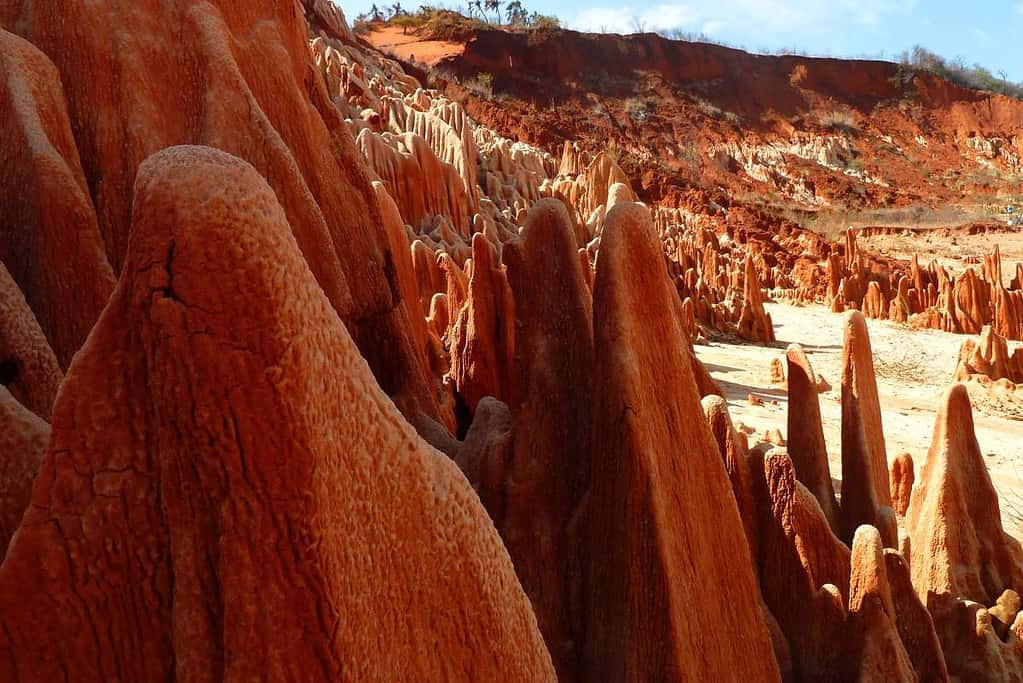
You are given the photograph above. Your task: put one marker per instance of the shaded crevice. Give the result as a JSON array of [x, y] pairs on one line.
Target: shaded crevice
[[10, 370]]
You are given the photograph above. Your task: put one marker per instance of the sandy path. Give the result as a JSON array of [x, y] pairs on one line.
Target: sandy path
[[913, 370]]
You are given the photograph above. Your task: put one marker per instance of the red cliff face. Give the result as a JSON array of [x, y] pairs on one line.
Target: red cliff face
[[812, 134]]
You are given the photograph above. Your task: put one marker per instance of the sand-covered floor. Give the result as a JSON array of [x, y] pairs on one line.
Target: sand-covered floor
[[913, 369]]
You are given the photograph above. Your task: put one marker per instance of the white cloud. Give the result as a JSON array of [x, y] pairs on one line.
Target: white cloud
[[603, 19], [778, 17], [711, 27], [627, 19]]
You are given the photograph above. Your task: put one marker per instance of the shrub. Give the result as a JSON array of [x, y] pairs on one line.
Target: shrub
[[482, 84], [638, 109], [975, 77]]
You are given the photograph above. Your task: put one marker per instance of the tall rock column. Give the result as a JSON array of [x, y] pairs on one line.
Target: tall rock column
[[866, 496], [671, 594]]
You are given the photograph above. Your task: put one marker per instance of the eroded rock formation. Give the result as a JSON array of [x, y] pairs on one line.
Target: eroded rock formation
[[236, 76], [806, 444], [28, 366], [866, 495], [23, 439], [653, 612], [49, 236], [276, 431], [229, 490], [552, 402]]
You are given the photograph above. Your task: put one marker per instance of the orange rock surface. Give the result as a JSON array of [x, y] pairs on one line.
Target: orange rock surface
[[146, 510], [653, 607]]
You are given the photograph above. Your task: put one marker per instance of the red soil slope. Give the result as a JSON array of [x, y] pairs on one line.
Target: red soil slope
[[818, 140]]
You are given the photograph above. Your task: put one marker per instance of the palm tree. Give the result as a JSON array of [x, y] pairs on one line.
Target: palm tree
[[515, 13], [496, 6]]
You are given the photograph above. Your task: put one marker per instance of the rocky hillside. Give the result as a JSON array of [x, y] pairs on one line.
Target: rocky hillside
[[826, 142]]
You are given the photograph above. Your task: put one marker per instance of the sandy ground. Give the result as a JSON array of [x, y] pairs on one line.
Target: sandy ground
[[391, 40], [913, 369], [953, 252]]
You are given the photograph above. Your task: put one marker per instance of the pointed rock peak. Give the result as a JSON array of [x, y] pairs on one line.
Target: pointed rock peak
[[668, 551], [552, 404], [866, 495], [902, 476], [875, 649], [732, 448], [913, 621], [960, 549], [799, 515], [805, 430], [804, 568], [484, 256], [243, 410], [869, 574], [483, 336], [1003, 612]]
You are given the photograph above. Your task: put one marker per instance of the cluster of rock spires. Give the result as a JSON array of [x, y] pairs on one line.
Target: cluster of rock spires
[[988, 361], [289, 394], [709, 260], [929, 298]]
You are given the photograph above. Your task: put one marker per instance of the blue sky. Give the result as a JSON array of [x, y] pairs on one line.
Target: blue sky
[[986, 32]]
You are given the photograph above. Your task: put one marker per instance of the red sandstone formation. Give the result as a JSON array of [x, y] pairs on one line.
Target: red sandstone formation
[[222, 397], [23, 439], [422, 184], [874, 303], [973, 649], [866, 496], [49, 238], [960, 552], [806, 444], [876, 651], [754, 323], [655, 609], [485, 454], [913, 621], [235, 75], [551, 400], [959, 549], [483, 335], [901, 476], [804, 569], [147, 510], [428, 352], [28, 367], [733, 449], [988, 361]]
